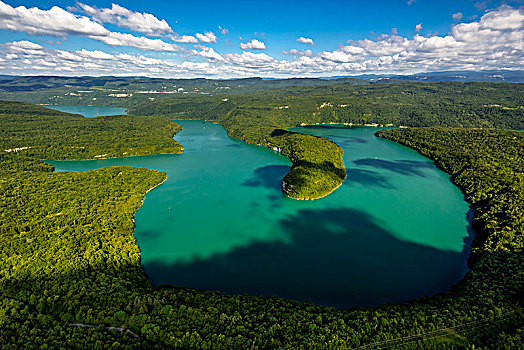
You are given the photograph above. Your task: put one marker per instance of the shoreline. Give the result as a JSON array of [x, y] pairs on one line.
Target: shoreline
[[372, 125], [312, 199], [144, 198], [126, 156], [279, 150]]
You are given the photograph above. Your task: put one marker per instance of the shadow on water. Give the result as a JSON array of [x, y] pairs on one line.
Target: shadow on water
[[269, 176], [355, 140], [328, 127], [367, 178], [346, 141], [150, 234], [403, 167], [336, 257]]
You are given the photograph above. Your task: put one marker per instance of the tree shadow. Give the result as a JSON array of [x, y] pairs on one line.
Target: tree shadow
[[269, 176], [403, 167], [336, 257], [367, 178]]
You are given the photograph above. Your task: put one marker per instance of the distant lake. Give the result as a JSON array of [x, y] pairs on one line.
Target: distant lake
[[89, 111], [396, 229]]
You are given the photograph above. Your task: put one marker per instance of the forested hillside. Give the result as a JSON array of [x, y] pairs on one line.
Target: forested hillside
[[43, 133], [132, 91], [70, 274], [480, 105], [261, 118]]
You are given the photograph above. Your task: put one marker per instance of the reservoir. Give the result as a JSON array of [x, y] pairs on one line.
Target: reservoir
[[397, 229]]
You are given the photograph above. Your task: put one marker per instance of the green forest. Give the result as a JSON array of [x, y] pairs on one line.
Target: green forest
[[70, 273], [262, 118]]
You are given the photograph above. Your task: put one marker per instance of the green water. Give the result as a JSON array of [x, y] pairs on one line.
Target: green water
[[89, 111], [395, 230]]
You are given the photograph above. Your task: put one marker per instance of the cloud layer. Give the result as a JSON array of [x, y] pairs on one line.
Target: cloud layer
[[495, 41], [144, 23]]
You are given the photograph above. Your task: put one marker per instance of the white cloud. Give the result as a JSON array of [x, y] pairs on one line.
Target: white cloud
[[60, 23], [208, 37], [494, 41], [411, 1], [457, 16], [141, 43], [504, 18], [94, 54], [208, 52], [253, 45], [183, 38], [24, 45], [144, 23], [307, 41], [224, 31], [251, 60], [29, 58], [418, 27], [55, 21], [295, 52]]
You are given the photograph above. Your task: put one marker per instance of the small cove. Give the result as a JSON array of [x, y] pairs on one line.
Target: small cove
[[395, 230]]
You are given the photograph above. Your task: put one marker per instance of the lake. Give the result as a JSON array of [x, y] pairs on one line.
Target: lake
[[396, 229]]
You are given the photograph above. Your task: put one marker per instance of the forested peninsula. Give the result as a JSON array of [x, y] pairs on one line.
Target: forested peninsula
[[70, 273], [263, 118]]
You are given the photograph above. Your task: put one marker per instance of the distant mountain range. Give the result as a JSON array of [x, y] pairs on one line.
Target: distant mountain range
[[112, 91], [31, 83], [496, 76]]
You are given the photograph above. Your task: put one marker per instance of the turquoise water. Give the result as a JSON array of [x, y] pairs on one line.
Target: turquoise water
[[395, 230], [89, 111]]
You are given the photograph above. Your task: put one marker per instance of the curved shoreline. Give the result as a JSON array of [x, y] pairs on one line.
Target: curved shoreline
[[311, 199], [144, 198], [278, 148]]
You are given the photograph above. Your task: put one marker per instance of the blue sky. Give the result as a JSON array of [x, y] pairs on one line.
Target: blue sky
[[243, 38]]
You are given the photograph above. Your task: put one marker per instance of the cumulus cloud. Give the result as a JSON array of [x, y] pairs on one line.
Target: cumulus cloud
[[418, 27], [188, 39], [307, 41], [494, 41], [504, 18], [457, 16], [209, 53], [295, 52], [141, 43], [60, 23], [144, 23], [224, 31], [23, 45], [208, 37], [253, 45], [55, 21], [24, 57]]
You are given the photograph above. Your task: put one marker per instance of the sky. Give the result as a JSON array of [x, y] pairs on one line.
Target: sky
[[229, 39]]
